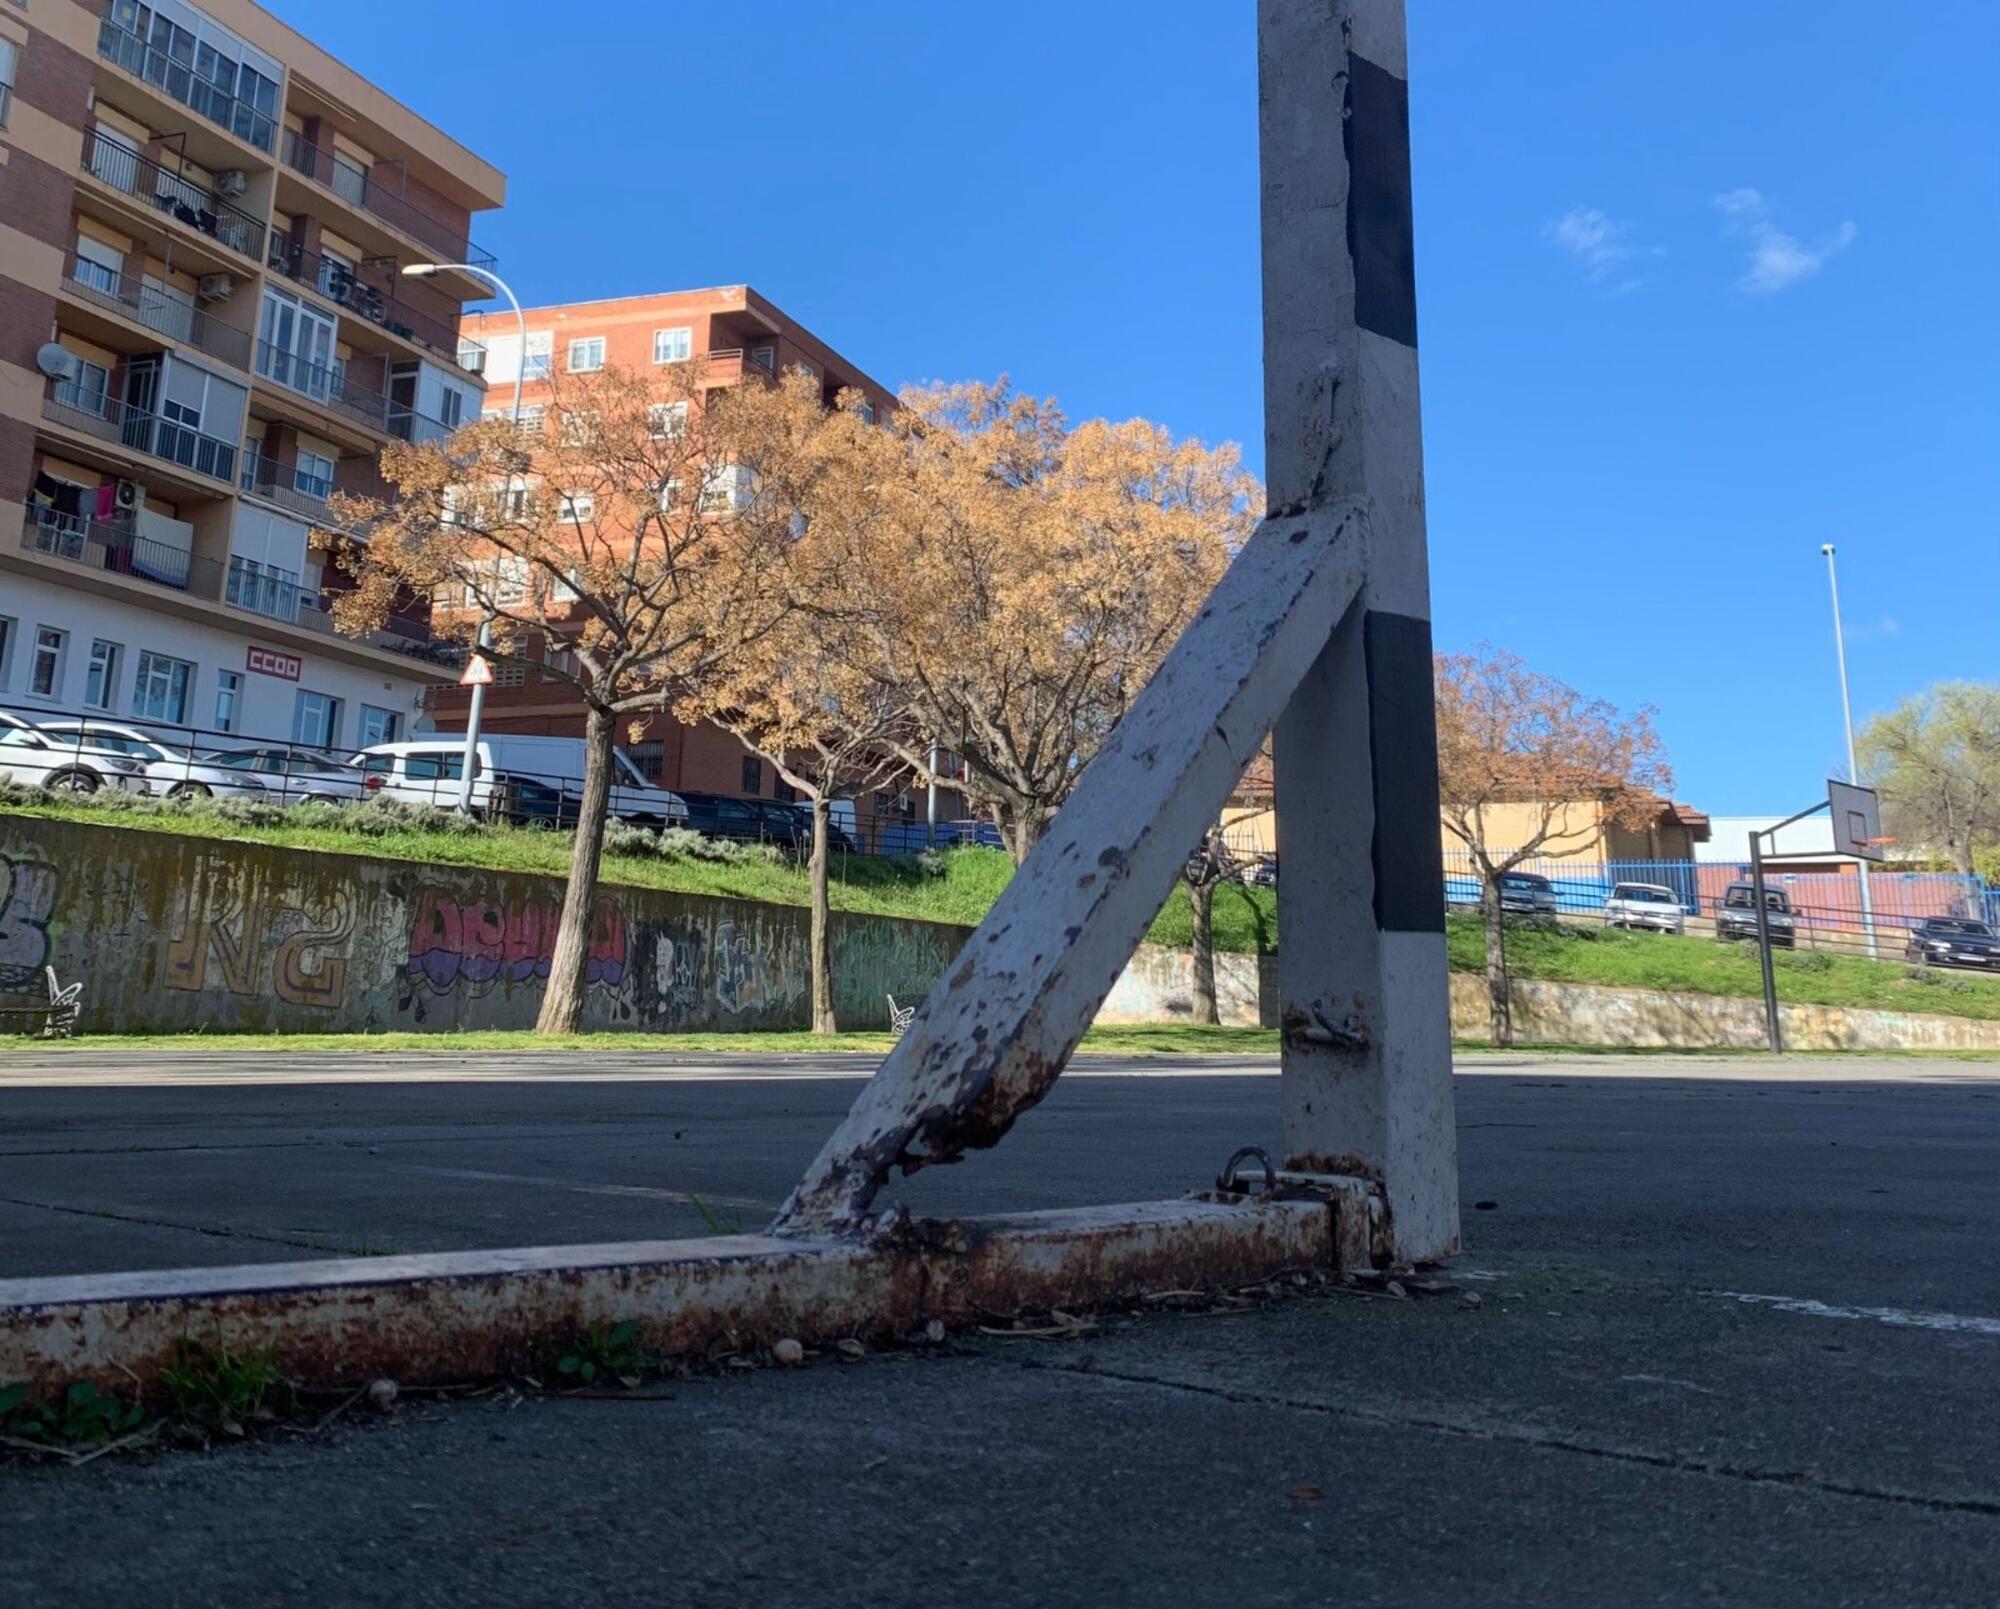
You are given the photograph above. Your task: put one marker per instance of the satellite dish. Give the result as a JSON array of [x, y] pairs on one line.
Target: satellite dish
[[58, 362]]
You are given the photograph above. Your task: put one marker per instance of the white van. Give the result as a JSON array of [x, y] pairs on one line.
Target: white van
[[427, 771]]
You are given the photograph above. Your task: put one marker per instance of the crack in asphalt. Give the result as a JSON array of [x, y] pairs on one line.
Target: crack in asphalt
[[1796, 1480], [213, 1231]]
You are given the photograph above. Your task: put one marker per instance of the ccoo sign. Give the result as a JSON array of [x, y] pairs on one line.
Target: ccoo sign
[[269, 662]]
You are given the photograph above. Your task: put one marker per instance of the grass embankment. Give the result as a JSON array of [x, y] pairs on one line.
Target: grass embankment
[[959, 886]]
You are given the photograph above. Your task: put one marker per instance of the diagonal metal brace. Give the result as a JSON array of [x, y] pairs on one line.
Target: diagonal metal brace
[[997, 1031]]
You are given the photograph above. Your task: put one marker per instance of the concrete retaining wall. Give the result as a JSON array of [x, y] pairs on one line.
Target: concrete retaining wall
[[170, 934]]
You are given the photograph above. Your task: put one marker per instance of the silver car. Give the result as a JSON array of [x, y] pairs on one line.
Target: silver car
[[294, 776], [1649, 907], [30, 755], [172, 768]]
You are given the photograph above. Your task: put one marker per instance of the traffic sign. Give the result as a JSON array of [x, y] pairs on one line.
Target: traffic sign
[[477, 673]]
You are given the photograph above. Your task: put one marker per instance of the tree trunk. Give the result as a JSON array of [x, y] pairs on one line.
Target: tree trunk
[[1028, 822], [1499, 1004], [562, 1001], [1201, 896], [822, 955]]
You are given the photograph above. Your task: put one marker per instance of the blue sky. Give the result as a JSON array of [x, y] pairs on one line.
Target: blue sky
[[1700, 287]]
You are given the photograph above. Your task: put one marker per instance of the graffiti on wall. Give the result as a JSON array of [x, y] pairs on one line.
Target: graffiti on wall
[[874, 960], [247, 936], [475, 945], [757, 969], [27, 901]]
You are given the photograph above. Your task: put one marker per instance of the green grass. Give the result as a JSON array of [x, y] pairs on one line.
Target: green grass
[[1698, 965], [1172, 1039]]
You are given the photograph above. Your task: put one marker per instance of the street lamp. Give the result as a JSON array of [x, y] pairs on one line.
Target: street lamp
[[478, 709], [1847, 721]]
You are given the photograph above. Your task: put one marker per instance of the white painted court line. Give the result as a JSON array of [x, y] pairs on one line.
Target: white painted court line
[[1900, 1318], [684, 1198]]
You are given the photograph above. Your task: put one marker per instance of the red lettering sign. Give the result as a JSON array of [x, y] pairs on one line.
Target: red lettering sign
[[269, 662]]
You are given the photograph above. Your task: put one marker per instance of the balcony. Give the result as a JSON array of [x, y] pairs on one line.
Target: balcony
[[274, 594], [186, 202], [339, 284], [417, 428], [166, 439], [359, 187], [724, 365], [178, 81], [326, 384], [163, 311], [96, 545], [301, 491]]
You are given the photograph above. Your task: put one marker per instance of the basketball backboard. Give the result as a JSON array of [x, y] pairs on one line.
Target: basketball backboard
[[1857, 820]]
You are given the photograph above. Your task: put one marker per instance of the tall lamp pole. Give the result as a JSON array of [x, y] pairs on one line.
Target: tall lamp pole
[[478, 709], [1847, 721]]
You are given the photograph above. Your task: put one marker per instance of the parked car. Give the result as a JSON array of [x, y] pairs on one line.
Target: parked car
[[1526, 894], [294, 776], [1954, 941], [1263, 874], [29, 755], [530, 802], [172, 768], [1736, 916], [1650, 907], [718, 815], [558, 761], [837, 840]]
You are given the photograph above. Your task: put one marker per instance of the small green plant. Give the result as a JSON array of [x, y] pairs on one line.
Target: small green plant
[[1803, 960], [713, 1219], [217, 1390], [82, 1417], [613, 1353]]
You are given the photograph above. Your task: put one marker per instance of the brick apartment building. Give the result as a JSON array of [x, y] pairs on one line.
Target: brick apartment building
[[734, 333], [204, 333]]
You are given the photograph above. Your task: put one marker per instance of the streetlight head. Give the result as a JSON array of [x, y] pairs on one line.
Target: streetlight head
[[420, 270], [1824, 547]]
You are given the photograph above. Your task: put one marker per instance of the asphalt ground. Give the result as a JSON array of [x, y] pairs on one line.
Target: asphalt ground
[[1736, 1342]]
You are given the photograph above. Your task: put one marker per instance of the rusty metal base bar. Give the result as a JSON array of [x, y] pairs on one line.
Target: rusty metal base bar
[[467, 1315]]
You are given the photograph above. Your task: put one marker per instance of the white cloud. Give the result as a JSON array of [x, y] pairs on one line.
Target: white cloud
[[1775, 260], [1604, 246]]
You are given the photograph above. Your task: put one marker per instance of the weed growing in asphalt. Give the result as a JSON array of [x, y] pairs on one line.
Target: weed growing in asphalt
[[218, 1390], [602, 1352], [82, 1416]]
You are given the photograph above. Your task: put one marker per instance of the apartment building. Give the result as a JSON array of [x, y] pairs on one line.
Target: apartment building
[[734, 333], [204, 333]]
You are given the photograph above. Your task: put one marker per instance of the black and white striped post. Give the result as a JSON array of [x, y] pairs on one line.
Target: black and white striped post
[[1361, 951]]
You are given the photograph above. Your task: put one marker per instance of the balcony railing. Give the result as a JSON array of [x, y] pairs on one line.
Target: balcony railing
[[338, 284], [274, 593], [179, 81], [124, 169], [303, 491], [326, 384], [150, 433], [99, 546], [166, 312], [359, 187], [418, 428]]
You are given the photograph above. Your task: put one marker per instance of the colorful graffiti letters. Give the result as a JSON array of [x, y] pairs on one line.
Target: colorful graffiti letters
[[479, 944], [231, 923]]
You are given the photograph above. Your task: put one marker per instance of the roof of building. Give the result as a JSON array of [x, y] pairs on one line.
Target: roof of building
[[1729, 839]]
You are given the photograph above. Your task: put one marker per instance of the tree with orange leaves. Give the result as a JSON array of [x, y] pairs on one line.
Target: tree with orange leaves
[[621, 550], [1563, 764]]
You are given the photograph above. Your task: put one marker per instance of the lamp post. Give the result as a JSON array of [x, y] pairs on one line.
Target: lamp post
[[478, 709], [1847, 721]]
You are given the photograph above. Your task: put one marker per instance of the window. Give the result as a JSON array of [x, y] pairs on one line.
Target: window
[[7, 54], [6, 648], [45, 674], [100, 682], [578, 507], [437, 766], [753, 775], [161, 692], [765, 358], [580, 428], [315, 719], [90, 391], [649, 759], [98, 266], [668, 419], [314, 474], [350, 179], [228, 699], [379, 726], [451, 408], [471, 356], [673, 346], [510, 578], [670, 494], [531, 418], [541, 348], [783, 791], [725, 490], [586, 355], [867, 411]]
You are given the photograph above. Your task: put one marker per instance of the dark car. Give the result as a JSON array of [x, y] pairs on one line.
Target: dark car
[[1526, 894], [1736, 916], [530, 803], [1954, 941]]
